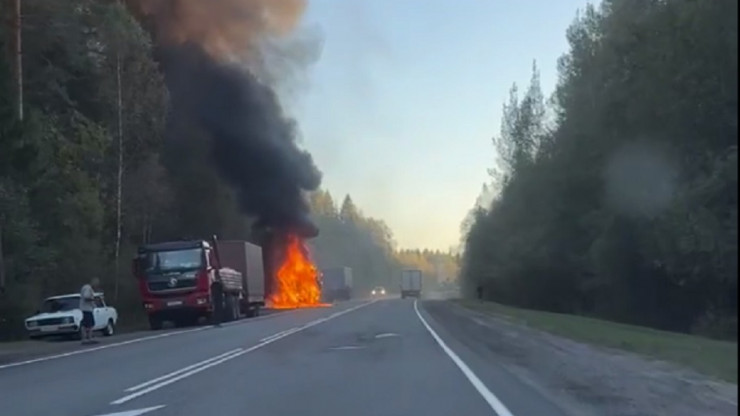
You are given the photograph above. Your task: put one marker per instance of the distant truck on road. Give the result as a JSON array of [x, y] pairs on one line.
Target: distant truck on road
[[410, 283], [175, 280], [336, 283]]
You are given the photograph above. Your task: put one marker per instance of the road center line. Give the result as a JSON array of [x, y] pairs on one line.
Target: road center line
[[182, 370], [142, 339], [287, 331], [208, 365], [488, 396]]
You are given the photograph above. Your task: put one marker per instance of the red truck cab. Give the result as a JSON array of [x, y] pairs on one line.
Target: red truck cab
[[175, 281]]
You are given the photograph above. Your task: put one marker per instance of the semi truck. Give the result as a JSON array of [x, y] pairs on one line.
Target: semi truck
[[336, 284], [176, 280], [410, 283]]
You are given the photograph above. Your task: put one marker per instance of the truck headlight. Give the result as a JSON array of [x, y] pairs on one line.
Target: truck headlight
[[373, 292]]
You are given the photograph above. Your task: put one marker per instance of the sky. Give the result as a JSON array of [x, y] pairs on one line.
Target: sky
[[400, 107]]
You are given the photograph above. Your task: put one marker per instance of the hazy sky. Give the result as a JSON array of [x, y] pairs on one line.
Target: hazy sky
[[402, 104]]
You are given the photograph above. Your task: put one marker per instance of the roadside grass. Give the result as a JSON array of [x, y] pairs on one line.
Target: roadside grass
[[711, 357]]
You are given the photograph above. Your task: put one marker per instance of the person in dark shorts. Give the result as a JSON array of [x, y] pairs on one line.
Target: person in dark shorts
[[87, 306]]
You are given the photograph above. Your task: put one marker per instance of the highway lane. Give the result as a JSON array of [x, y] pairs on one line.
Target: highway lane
[[358, 358]]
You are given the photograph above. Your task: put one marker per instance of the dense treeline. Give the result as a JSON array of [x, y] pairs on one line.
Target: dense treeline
[[624, 207], [349, 238], [89, 160]]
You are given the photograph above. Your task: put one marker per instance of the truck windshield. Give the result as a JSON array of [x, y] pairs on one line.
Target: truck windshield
[[167, 261]]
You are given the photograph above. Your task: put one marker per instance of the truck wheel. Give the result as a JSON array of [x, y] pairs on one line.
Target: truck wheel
[[228, 310], [155, 323], [257, 310]]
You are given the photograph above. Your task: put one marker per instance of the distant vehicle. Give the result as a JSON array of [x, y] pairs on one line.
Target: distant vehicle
[[336, 284], [378, 291], [410, 283], [175, 280], [61, 315]]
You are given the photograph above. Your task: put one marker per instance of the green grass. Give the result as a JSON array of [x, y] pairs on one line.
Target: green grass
[[707, 356]]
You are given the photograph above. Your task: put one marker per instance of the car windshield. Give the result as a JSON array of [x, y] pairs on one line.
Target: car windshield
[[178, 260], [60, 304]]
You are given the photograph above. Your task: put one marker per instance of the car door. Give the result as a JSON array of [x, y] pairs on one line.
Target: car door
[[100, 313]]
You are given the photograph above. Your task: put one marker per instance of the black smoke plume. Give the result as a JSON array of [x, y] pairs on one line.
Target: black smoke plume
[[253, 142]]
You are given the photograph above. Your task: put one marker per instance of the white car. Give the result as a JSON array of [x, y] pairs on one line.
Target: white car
[[61, 315]]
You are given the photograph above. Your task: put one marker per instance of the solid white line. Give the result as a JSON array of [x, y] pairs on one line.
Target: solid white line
[[136, 412], [488, 396], [182, 370], [287, 331], [102, 347], [230, 357], [146, 338]]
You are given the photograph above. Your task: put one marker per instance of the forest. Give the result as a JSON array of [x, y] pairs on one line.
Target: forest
[[87, 173], [617, 196]]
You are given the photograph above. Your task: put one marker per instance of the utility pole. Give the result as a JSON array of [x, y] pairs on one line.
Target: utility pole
[[17, 56], [2, 261]]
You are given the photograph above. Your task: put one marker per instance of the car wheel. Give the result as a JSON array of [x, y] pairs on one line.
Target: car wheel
[[109, 329]]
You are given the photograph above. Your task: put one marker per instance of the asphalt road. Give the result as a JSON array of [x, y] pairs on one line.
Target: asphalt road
[[384, 357]]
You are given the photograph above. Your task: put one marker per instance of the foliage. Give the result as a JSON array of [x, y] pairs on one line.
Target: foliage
[[349, 238], [89, 75], [627, 208]]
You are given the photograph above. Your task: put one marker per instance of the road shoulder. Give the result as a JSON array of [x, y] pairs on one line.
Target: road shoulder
[[582, 379]]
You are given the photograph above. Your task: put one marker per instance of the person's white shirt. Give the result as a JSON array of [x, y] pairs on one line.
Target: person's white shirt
[[87, 298]]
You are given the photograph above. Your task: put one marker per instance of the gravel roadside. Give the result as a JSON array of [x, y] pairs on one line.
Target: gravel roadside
[[583, 379]]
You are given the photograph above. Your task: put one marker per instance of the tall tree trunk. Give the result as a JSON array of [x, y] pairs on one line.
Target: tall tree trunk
[[18, 56], [2, 262], [120, 176]]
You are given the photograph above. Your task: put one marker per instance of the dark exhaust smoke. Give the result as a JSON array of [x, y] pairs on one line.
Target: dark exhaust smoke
[[205, 48]]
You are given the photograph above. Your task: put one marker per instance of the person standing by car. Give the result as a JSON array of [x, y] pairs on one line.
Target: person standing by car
[[87, 306]]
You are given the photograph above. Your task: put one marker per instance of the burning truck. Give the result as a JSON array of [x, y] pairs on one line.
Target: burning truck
[[176, 277], [220, 90]]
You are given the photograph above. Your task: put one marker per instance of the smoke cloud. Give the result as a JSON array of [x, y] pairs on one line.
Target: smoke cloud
[[205, 49]]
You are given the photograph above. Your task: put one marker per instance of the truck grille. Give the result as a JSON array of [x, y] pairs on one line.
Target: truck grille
[[161, 285], [50, 321]]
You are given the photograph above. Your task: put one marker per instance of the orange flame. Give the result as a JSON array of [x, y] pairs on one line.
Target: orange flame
[[297, 284]]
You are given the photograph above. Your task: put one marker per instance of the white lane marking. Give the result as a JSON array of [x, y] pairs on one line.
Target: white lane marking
[[146, 338], [231, 357], [287, 331], [136, 412], [182, 370], [102, 347], [386, 335], [347, 347], [488, 396]]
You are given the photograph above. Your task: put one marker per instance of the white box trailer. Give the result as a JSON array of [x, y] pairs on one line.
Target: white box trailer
[[411, 283], [336, 283]]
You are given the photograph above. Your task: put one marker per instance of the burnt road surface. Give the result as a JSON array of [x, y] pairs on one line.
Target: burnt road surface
[[381, 357]]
